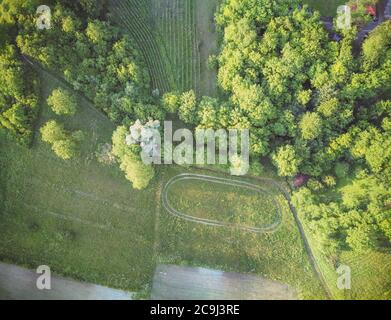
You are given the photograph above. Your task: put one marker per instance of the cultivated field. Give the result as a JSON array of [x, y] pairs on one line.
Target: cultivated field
[[188, 33], [175, 20], [176, 38]]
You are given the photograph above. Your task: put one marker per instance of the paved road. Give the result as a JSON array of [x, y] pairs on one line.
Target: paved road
[[20, 284]]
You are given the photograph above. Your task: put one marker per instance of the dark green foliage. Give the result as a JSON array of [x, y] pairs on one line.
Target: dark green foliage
[[18, 99], [312, 107], [93, 57]]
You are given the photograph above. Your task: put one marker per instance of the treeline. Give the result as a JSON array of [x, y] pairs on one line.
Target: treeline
[[18, 95]]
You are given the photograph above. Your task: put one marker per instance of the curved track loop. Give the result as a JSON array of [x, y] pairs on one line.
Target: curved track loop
[[237, 183]]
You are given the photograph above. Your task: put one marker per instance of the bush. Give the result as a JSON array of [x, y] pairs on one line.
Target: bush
[[171, 102], [256, 168], [329, 181], [62, 102], [135, 170], [314, 185], [64, 144]]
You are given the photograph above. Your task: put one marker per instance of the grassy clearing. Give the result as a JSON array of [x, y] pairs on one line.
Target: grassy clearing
[[79, 217], [325, 7], [135, 17], [234, 205], [278, 256]]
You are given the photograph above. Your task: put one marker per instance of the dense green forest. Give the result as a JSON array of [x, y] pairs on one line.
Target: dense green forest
[[317, 107]]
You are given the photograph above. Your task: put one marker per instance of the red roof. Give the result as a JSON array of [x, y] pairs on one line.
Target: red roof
[[371, 10], [300, 180]]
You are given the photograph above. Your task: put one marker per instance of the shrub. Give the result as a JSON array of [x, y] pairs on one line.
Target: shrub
[[329, 181], [62, 102], [64, 143], [314, 185], [171, 102]]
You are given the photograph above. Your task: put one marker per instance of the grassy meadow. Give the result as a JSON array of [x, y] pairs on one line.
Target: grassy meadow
[[279, 256], [77, 216], [234, 205], [84, 220]]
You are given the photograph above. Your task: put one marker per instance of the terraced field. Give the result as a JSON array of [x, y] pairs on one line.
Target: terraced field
[[136, 19]]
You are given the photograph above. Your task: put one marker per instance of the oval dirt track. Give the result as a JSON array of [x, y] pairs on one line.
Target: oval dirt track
[[237, 183]]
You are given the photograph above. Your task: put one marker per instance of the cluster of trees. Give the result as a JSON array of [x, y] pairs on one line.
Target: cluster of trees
[[18, 95], [130, 160], [313, 108], [64, 143], [93, 56]]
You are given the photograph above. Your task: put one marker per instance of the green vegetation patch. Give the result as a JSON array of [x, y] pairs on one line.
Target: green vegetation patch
[[224, 202], [79, 217], [326, 8], [277, 256]]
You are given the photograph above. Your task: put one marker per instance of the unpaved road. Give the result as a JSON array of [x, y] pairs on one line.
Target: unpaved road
[[20, 284]]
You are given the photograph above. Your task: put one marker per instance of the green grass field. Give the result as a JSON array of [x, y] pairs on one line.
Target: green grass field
[[325, 7], [79, 217], [234, 205], [369, 273], [279, 256]]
